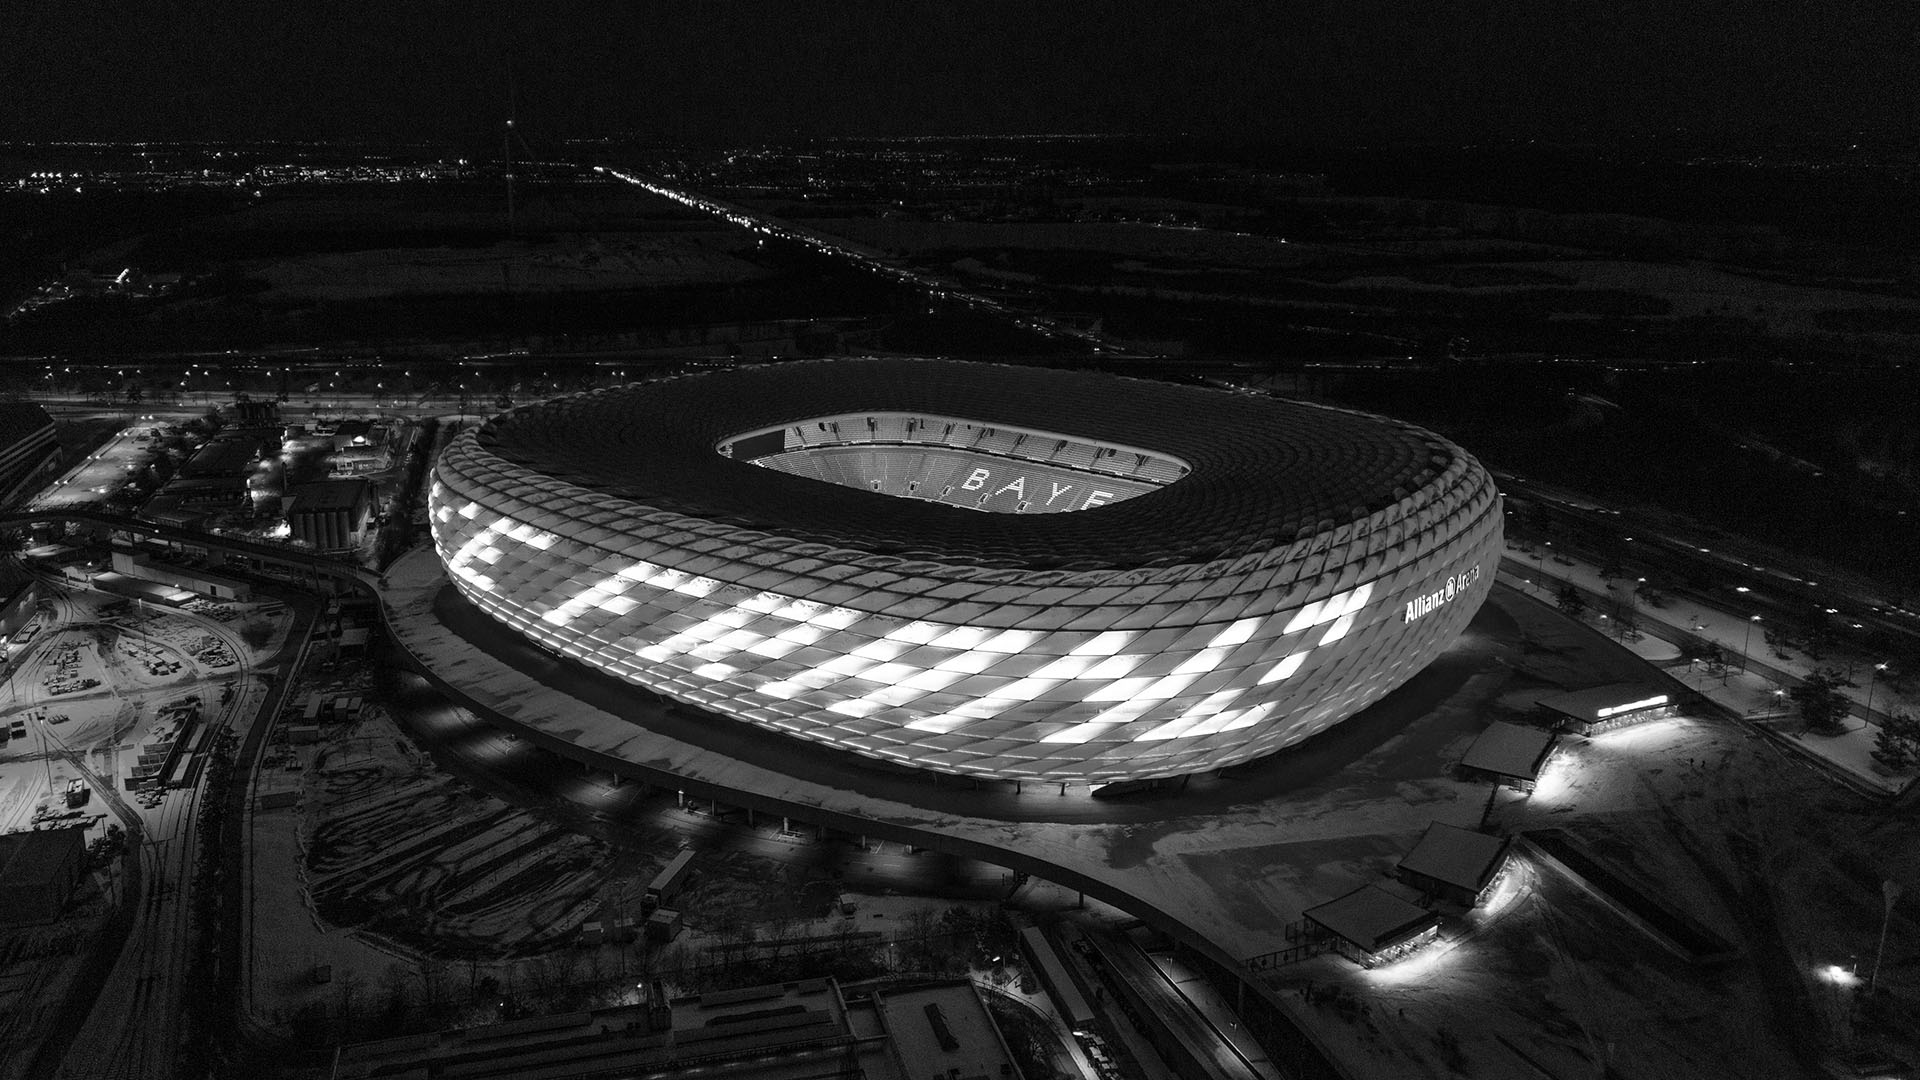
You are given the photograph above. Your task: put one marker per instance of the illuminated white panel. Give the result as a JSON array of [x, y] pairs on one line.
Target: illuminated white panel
[[1105, 644], [940, 725], [1011, 641], [740, 640], [963, 637], [881, 649], [848, 664], [1169, 686], [917, 633], [1305, 617], [934, 680], [1172, 729], [890, 673], [1115, 667], [1247, 717], [1120, 690], [773, 648], [1338, 630], [1124, 712], [802, 634], [970, 663], [1067, 667], [1358, 598], [835, 618], [1078, 733], [1027, 689], [1202, 662], [1237, 633], [895, 695], [1284, 669], [717, 672]]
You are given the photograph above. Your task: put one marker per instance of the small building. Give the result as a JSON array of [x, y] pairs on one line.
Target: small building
[[1457, 865], [1509, 754], [1373, 925], [663, 925], [38, 872], [142, 565], [330, 515], [1608, 708]]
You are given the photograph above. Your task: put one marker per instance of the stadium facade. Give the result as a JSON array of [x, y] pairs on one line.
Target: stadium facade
[[991, 571]]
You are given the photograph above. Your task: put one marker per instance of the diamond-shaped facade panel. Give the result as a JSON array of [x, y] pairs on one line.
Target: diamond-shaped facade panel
[[796, 547]]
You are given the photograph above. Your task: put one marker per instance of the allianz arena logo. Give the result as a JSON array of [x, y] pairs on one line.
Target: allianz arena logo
[[1428, 603]]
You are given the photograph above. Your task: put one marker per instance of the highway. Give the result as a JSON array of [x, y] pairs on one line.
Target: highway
[[935, 288]]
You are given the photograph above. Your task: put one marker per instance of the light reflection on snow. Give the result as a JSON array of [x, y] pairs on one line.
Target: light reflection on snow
[[1556, 780], [1414, 966], [1642, 736]]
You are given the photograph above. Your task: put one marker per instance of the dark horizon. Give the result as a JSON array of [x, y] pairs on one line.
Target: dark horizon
[[757, 70]]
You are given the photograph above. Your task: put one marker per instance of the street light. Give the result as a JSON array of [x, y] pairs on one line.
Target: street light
[[1877, 669], [1744, 642]]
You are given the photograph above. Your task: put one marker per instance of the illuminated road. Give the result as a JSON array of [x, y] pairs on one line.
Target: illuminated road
[[935, 287]]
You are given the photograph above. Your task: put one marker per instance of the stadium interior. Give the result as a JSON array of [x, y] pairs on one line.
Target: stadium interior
[[993, 468]]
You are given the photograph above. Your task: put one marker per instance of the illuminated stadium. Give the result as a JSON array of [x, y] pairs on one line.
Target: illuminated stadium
[[991, 571]]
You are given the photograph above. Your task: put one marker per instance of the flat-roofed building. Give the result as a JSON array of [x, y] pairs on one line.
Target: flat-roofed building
[[38, 872], [1611, 707], [1457, 865], [1374, 924], [1509, 754], [782, 1031], [330, 515]]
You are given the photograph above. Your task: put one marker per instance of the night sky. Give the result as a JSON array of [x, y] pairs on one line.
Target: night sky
[[728, 72]]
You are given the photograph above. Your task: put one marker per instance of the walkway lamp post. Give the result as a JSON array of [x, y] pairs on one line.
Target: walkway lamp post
[[1877, 669], [1748, 640], [1890, 891]]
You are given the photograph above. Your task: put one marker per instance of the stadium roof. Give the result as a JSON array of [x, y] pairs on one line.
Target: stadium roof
[[1266, 472]]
